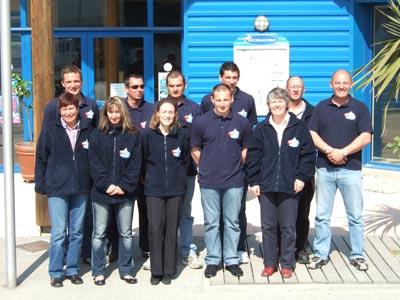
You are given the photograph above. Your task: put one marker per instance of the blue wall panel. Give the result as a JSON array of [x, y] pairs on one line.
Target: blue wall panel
[[319, 32]]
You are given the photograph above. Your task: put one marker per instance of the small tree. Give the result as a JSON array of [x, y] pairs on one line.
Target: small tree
[[22, 90]]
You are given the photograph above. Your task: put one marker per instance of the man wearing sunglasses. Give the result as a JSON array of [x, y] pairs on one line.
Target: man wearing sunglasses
[[140, 112]]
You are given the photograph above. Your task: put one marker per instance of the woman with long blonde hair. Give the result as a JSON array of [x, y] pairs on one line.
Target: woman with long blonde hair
[[115, 156]]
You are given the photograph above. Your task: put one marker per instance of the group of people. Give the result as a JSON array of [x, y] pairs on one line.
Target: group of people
[[92, 166]]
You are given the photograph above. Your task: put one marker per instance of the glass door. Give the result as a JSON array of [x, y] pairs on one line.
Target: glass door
[[67, 51], [107, 57], [114, 60]]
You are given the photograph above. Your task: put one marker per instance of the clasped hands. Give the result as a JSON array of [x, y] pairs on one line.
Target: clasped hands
[[298, 187], [114, 190], [337, 156]]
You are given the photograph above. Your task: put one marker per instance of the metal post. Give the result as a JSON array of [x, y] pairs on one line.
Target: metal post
[[8, 162]]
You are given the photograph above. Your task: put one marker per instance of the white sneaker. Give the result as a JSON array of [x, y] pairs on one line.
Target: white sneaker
[[243, 257], [147, 265], [193, 261]]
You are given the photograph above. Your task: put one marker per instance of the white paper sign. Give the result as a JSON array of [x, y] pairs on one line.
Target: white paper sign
[[117, 89], [162, 85], [263, 60]]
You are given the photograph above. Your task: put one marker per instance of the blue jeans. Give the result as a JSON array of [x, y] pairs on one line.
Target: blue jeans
[[186, 222], [228, 201], [66, 212], [101, 212], [349, 184]]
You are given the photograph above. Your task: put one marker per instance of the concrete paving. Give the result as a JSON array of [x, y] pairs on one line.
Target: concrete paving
[[382, 217]]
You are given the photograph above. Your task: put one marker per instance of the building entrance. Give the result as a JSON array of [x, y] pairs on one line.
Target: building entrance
[[108, 57]]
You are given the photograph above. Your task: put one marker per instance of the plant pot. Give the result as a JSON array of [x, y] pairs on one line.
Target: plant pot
[[26, 157]]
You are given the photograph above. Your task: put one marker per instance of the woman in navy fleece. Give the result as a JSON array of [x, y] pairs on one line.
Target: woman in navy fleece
[[280, 159], [62, 173], [165, 153], [115, 162]]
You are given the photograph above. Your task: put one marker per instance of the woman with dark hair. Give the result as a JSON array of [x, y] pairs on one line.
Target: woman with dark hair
[[62, 173], [280, 159], [165, 154], [115, 162]]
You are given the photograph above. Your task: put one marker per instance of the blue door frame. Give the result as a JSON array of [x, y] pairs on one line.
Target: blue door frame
[[87, 55]]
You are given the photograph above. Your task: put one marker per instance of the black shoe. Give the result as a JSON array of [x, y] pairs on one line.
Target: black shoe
[[75, 279], [56, 282], [211, 271], [129, 279], [303, 257], [99, 282], [154, 280], [166, 279], [235, 270], [145, 254]]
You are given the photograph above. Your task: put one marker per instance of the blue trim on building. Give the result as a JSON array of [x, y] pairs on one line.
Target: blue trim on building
[[23, 13], [372, 1], [26, 55], [382, 166], [150, 13], [17, 168], [149, 89], [362, 53], [185, 46], [154, 29]]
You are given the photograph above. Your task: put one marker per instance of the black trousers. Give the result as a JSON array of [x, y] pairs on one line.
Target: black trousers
[[163, 215], [303, 211], [143, 224], [278, 210]]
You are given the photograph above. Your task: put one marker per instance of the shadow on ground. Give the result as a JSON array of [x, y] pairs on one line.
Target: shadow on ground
[[383, 220]]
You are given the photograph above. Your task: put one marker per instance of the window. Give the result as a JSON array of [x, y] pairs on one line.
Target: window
[[75, 13], [17, 107], [385, 128], [167, 12]]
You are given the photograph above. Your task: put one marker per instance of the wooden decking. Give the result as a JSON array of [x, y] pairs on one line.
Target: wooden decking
[[382, 255]]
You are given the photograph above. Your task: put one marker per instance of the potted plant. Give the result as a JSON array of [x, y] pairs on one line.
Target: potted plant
[[25, 150]]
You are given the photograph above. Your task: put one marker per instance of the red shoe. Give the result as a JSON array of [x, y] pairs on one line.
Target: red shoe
[[268, 271], [286, 273]]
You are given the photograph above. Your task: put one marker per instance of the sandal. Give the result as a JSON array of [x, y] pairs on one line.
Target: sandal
[[129, 279], [99, 280]]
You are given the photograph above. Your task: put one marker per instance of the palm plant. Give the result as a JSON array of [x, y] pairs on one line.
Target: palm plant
[[383, 71]]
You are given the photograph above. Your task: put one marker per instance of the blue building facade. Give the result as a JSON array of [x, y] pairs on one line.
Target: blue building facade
[[324, 35]]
